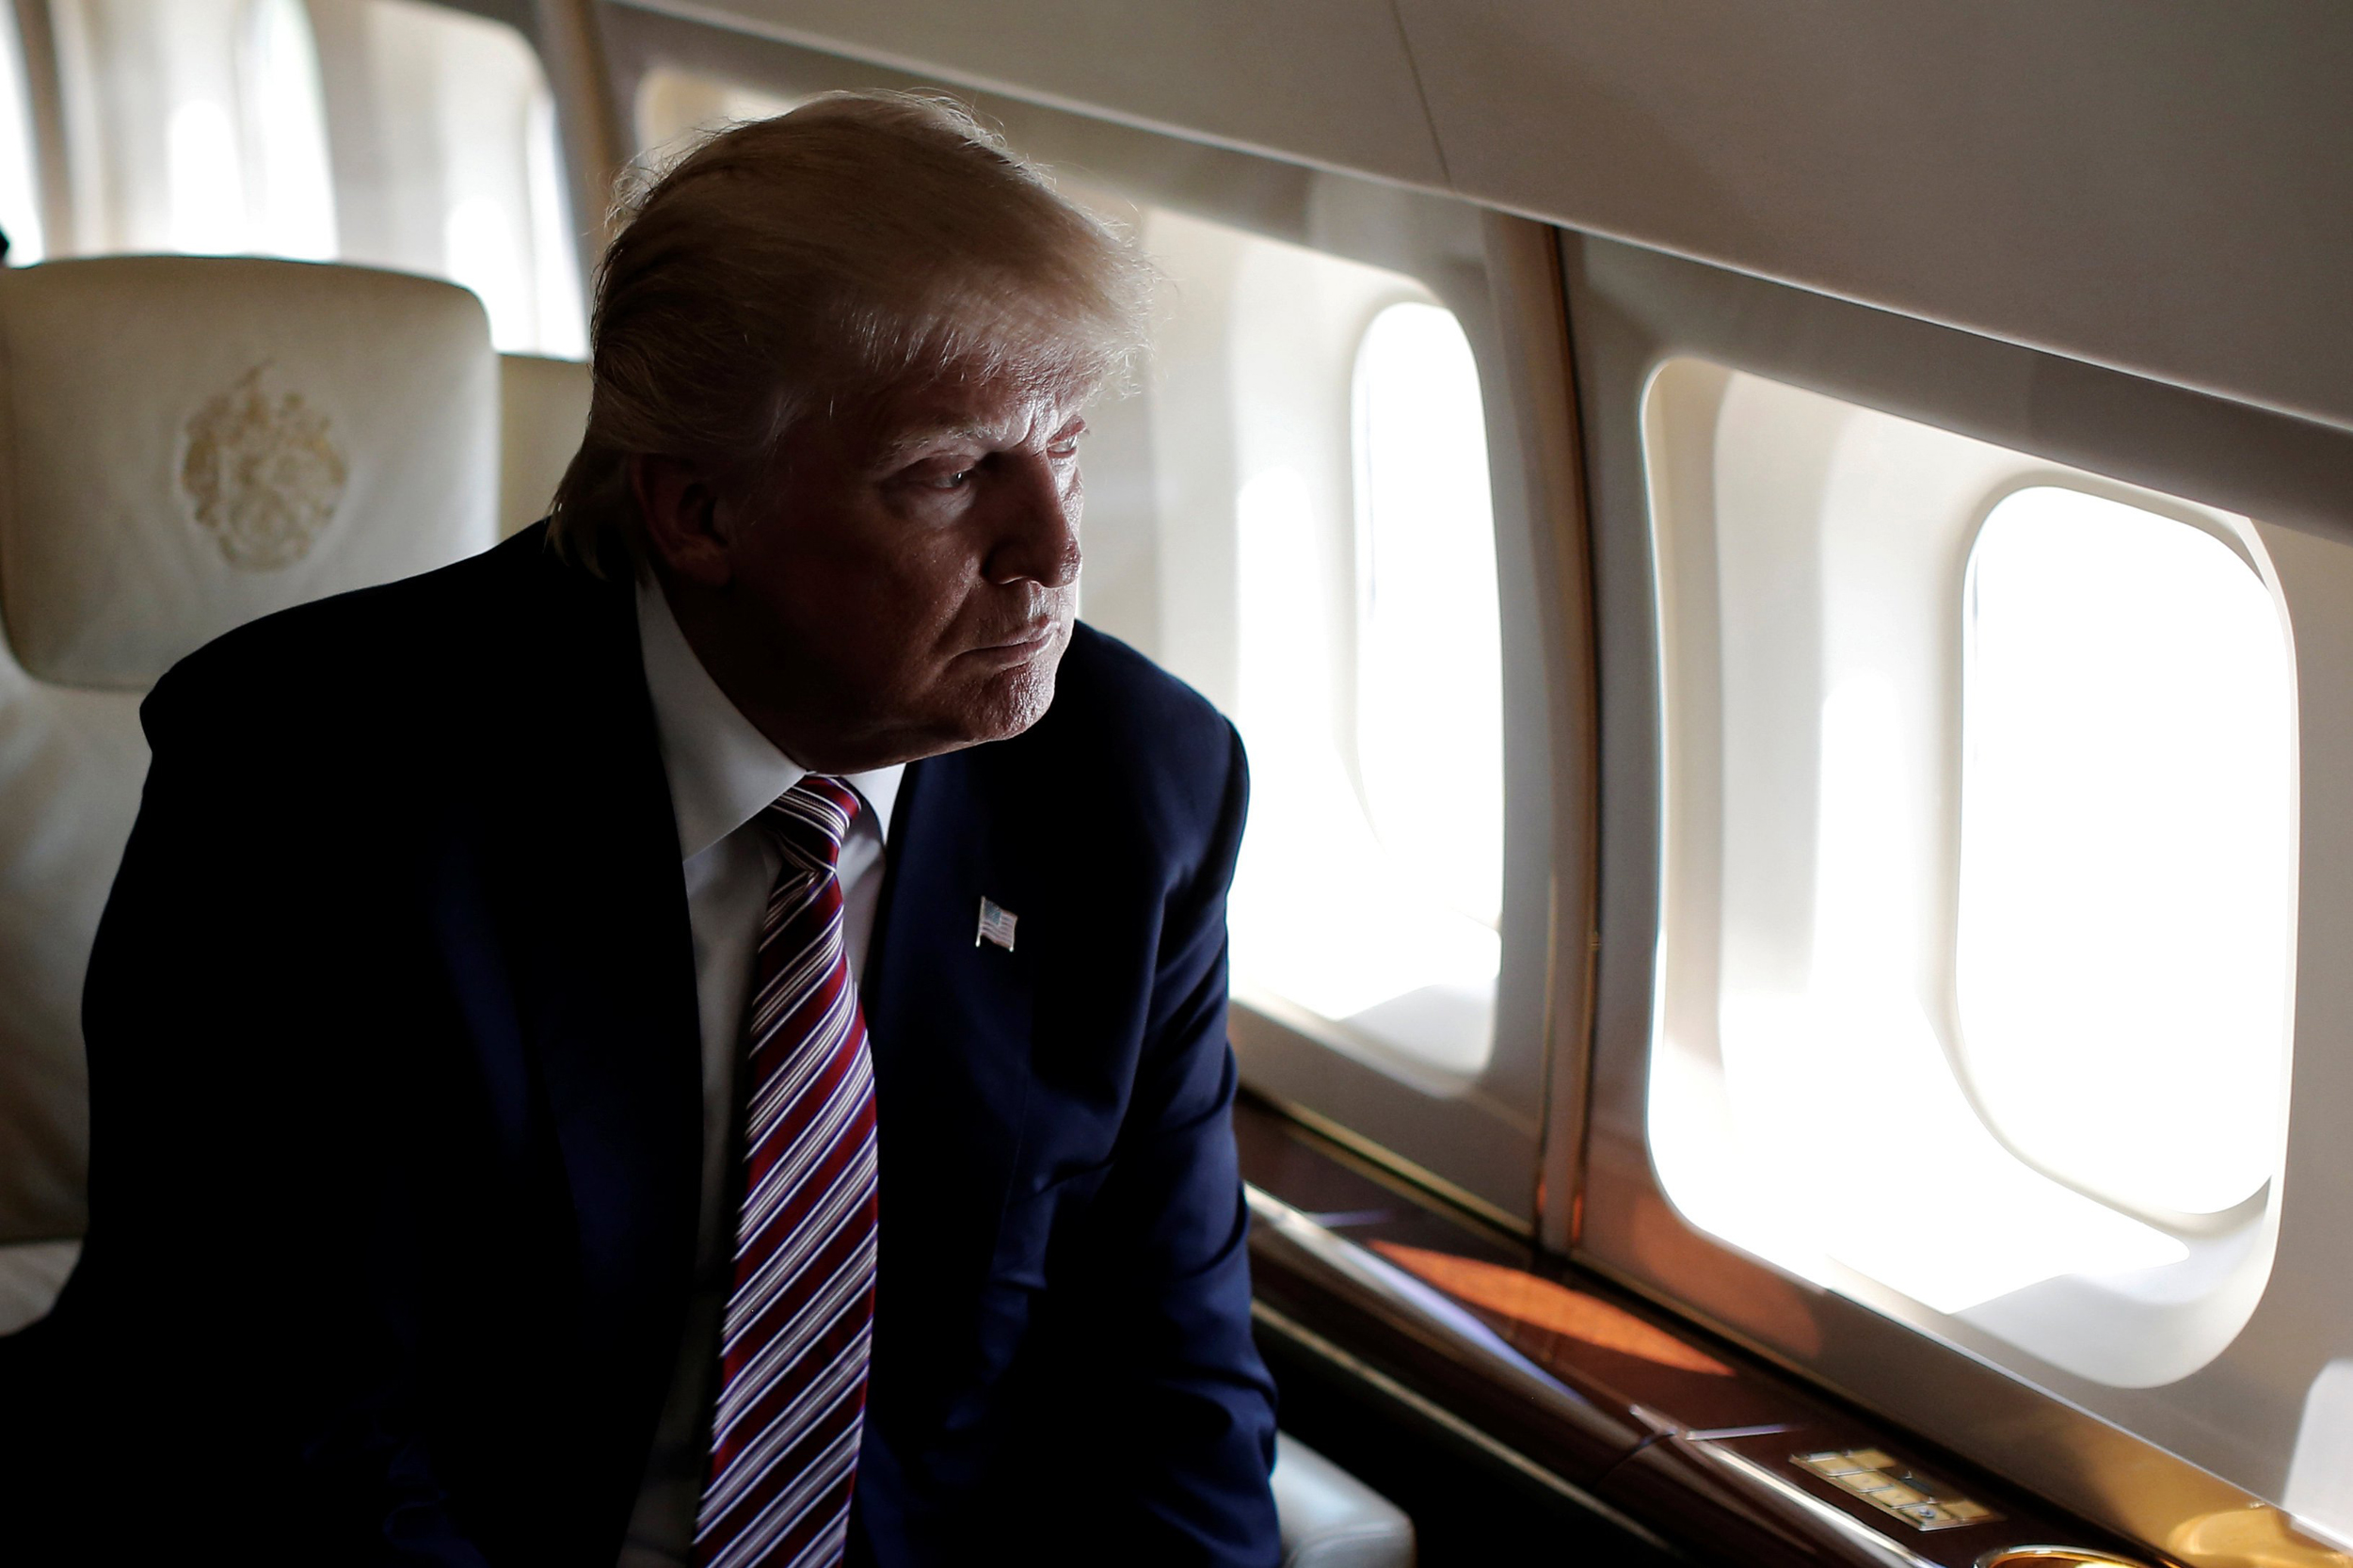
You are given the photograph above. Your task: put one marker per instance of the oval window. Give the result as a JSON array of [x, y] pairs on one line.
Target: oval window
[[1429, 667], [2127, 852]]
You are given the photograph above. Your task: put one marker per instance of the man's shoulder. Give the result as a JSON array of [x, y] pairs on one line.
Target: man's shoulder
[[373, 656], [1110, 698], [1127, 746]]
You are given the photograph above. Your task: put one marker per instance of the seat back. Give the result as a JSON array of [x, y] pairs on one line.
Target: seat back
[[543, 410], [1330, 1519], [185, 443]]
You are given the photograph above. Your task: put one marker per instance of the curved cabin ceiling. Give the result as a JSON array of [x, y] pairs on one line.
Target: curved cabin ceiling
[[2161, 186]]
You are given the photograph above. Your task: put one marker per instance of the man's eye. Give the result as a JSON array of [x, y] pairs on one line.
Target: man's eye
[[955, 481]]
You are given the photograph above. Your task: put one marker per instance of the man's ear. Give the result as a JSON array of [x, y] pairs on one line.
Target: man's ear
[[680, 508]]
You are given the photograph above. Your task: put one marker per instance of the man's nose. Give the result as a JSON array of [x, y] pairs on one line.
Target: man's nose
[[1038, 526]]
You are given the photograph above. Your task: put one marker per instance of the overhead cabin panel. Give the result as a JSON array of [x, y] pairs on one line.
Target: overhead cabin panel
[[2158, 185], [2161, 186], [1326, 81]]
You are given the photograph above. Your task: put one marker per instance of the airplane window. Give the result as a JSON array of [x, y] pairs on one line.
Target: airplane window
[[197, 127], [293, 202], [20, 189], [1978, 871], [455, 165], [2127, 844], [391, 133], [1340, 601]]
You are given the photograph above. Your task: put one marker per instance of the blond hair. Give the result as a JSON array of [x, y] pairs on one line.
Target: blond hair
[[786, 268]]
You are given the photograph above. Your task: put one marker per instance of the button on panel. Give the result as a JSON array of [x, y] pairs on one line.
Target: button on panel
[[1895, 1488]]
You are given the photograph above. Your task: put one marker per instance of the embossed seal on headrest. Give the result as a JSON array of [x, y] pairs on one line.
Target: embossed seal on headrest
[[265, 474]]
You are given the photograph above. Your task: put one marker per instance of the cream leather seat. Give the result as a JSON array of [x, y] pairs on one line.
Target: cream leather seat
[[1330, 1519], [543, 411], [185, 443]]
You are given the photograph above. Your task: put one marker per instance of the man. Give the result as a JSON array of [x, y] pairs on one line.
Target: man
[[700, 1035]]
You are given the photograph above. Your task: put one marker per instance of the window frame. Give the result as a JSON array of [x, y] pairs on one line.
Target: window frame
[[1632, 310], [1740, 666]]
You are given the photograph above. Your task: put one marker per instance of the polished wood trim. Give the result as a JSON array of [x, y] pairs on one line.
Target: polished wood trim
[[1373, 1154], [1362, 1300], [1542, 1364], [1729, 1505], [1302, 1338]]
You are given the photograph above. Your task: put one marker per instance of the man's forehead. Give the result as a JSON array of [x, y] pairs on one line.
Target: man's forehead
[[971, 418], [992, 412]]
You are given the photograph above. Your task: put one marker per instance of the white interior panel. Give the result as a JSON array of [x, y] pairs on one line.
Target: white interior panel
[[2156, 184], [1326, 81], [2159, 186]]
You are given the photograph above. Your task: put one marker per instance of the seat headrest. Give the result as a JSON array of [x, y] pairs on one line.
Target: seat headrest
[[189, 442], [543, 412]]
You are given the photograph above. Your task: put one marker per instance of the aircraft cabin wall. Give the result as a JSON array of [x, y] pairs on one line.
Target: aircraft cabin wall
[[1965, 174], [1786, 579]]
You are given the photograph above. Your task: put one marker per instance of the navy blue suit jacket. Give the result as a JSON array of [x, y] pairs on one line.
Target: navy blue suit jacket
[[395, 1087]]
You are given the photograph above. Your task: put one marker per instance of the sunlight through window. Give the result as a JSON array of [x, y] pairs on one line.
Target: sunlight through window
[[481, 250], [1429, 668], [294, 210], [2127, 851], [208, 214], [554, 248], [462, 124], [20, 186], [386, 133]]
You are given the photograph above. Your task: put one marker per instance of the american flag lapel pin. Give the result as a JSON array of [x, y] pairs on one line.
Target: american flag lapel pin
[[997, 923]]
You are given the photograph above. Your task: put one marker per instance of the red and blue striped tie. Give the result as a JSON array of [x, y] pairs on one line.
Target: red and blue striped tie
[[792, 1355]]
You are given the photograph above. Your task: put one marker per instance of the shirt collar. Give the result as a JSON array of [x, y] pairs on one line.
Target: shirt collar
[[723, 772]]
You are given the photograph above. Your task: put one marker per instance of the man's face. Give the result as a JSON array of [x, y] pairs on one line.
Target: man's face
[[906, 585]]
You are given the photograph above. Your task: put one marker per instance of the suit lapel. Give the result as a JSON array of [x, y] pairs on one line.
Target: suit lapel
[[949, 1024]]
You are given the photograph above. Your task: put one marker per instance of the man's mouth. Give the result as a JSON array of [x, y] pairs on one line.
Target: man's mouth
[[1026, 643]]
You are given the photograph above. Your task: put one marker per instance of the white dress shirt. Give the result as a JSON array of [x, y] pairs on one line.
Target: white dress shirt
[[722, 772]]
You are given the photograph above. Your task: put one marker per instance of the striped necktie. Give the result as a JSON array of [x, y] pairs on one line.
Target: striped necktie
[[792, 1355]]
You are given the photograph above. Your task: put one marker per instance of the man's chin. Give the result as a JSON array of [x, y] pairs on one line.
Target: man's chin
[[968, 707], [1012, 701]]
